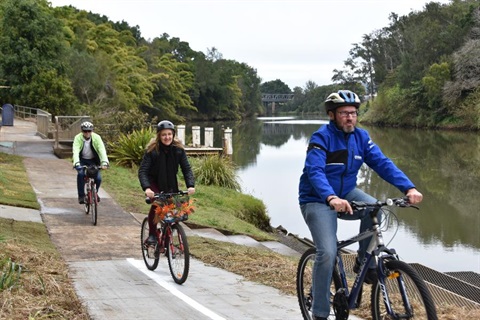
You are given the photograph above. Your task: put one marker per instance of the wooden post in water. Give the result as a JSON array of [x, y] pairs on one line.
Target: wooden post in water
[[209, 137], [181, 133], [196, 136]]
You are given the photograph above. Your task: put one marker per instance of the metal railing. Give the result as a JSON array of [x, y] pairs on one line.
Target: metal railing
[[67, 127], [41, 117]]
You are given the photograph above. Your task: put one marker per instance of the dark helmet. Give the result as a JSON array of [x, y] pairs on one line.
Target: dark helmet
[[165, 124], [86, 126], [340, 99]]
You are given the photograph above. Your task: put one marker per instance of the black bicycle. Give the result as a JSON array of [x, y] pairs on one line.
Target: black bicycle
[[91, 196], [171, 237], [399, 293]]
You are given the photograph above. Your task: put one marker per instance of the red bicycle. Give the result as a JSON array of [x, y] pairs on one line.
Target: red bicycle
[[91, 197], [172, 208]]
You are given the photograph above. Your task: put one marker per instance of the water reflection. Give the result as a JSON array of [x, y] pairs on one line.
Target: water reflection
[[444, 165]]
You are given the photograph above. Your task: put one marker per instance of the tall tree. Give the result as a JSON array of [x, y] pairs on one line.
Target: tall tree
[[32, 56]]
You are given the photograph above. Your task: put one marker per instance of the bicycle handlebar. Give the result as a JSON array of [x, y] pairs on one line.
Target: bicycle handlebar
[[164, 196], [399, 202]]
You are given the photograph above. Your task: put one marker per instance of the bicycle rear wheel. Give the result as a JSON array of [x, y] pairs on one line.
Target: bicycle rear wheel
[[178, 254], [94, 203], [151, 254], [408, 295], [304, 283]]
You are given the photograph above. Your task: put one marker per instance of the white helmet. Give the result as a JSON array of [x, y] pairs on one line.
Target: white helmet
[[86, 126], [340, 99]]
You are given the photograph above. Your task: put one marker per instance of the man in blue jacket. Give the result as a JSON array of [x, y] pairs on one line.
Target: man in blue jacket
[[329, 182]]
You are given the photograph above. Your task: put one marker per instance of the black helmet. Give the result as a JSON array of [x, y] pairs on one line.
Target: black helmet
[[340, 99], [86, 126], [165, 124]]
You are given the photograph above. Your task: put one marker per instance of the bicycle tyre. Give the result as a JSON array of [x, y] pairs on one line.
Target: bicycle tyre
[[150, 253], [178, 254], [86, 198], [421, 301], [94, 203], [304, 283]]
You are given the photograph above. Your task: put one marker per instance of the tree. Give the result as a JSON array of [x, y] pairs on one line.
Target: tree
[[31, 55], [275, 86]]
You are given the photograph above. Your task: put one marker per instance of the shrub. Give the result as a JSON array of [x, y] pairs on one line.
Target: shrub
[[215, 171], [128, 150]]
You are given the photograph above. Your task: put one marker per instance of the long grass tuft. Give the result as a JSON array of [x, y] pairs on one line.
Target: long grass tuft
[[215, 171]]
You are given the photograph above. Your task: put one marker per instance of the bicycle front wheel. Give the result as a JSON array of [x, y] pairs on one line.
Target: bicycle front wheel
[[178, 254], [87, 197], [151, 254], [94, 203], [407, 295]]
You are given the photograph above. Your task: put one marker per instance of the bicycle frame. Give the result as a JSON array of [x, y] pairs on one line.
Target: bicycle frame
[[375, 248]]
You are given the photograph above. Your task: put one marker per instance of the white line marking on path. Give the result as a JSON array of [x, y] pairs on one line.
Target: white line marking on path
[[194, 304]]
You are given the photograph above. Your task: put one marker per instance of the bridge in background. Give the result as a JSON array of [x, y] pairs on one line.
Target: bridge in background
[[270, 99]]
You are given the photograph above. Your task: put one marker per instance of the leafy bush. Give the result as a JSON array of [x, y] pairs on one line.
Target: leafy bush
[[128, 150], [216, 171]]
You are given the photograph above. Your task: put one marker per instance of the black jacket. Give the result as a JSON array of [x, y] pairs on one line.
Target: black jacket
[[149, 170]]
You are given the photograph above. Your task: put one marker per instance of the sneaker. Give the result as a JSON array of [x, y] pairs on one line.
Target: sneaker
[[81, 200], [370, 277], [152, 240]]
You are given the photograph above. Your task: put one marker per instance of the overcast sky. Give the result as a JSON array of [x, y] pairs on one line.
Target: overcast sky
[[293, 40]]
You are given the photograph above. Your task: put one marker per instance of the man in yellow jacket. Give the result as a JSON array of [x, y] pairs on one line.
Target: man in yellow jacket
[[88, 149]]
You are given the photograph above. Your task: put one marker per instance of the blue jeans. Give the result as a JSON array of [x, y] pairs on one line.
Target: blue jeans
[[81, 178], [322, 222]]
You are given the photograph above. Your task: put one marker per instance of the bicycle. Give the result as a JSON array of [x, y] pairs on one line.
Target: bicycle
[[171, 237], [399, 293], [91, 196]]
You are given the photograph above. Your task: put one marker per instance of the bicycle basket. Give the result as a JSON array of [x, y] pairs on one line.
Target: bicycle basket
[[92, 172], [176, 208]]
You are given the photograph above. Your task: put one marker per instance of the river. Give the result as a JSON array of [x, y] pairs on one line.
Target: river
[[445, 166]]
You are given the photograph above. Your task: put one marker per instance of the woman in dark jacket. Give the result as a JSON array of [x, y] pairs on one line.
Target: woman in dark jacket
[[159, 167]]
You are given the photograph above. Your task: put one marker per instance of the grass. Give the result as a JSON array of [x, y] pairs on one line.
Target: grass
[[15, 189], [44, 290]]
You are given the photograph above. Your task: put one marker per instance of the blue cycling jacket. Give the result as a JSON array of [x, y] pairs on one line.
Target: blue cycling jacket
[[334, 159]]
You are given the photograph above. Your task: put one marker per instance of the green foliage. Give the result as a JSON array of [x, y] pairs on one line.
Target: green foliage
[[10, 273], [254, 212], [275, 86], [216, 171], [129, 149]]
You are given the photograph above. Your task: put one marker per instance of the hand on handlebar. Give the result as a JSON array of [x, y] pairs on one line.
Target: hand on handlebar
[[191, 190], [414, 196], [341, 205], [149, 193]]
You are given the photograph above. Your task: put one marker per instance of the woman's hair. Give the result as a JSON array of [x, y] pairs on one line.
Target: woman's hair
[[154, 143]]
